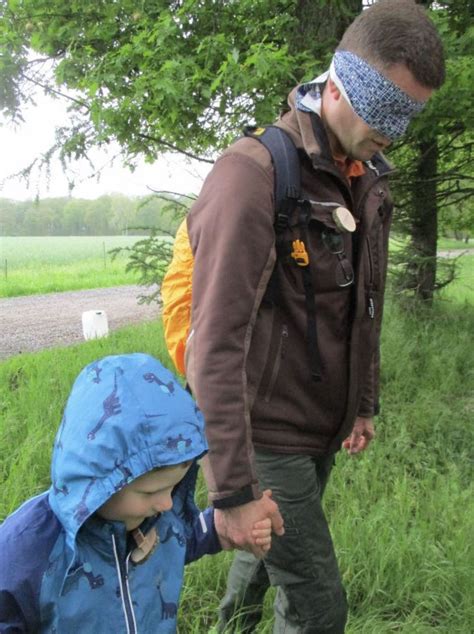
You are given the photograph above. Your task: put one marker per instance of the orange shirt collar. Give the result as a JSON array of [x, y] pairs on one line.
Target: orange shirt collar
[[350, 168]]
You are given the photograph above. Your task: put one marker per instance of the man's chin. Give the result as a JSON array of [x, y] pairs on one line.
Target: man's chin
[[363, 154]]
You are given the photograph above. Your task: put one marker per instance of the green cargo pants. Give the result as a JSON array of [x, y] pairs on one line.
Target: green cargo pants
[[310, 597]]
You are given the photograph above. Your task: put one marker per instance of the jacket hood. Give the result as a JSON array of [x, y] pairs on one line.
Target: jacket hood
[[298, 122], [125, 415]]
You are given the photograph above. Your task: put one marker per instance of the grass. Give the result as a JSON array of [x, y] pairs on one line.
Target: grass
[[462, 289], [33, 391], [452, 243], [401, 514], [397, 241], [51, 264], [33, 265]]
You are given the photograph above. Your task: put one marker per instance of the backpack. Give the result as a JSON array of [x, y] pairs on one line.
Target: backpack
[[176, 288]]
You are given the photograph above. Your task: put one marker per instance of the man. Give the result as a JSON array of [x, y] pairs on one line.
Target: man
[[281, 392]]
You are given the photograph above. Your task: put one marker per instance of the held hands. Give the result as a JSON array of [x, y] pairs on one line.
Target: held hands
[[360, 437], [262, 534], [249, 526]]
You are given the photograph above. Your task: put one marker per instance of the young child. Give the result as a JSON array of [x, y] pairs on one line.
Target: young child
[[104, 549]]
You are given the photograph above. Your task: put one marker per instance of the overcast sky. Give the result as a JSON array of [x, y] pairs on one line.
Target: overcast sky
[[20, 146]]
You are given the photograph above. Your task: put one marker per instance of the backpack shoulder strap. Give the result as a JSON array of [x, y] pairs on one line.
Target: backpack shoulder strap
[[287, 191], [287, 188]]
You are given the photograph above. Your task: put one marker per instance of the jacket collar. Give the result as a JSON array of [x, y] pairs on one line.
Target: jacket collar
[[307, 131]]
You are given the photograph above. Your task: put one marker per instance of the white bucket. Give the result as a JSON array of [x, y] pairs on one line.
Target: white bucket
[[94, 324]]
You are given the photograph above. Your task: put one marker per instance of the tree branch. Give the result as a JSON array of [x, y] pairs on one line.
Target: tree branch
[[165, 192], [174, 148], [55, 92]]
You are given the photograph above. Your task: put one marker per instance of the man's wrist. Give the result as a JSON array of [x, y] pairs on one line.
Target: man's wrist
[[244, 496]]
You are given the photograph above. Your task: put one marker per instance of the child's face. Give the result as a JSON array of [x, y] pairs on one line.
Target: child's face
[[144, 497]]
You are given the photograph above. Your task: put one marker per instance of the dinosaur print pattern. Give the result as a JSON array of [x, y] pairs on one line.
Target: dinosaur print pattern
[[168, 609], [179, 444], [111, 407], [172, 532], [81, 512], [60, 489], [96, 369], [167, 388], [197, 427], [84, 570]]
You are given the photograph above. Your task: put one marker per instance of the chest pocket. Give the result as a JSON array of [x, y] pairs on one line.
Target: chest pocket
[[319, 240], [314, 259]]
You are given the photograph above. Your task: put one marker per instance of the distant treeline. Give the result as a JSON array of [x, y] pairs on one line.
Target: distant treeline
[[113, 214]]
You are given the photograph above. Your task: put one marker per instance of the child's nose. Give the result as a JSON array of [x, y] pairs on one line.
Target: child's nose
[[165, 503]]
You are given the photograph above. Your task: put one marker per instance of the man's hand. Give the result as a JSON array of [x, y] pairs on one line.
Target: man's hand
[[236, 526], [361, 435]]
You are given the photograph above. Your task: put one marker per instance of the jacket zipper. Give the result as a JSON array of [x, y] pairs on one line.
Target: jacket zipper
[[122, 572], [276, 366], [371, 303]]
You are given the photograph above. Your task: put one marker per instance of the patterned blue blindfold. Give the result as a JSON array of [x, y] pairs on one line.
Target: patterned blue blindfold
[[374, 98]]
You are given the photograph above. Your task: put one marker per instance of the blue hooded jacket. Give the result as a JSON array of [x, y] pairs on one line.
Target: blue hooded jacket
[[63, 569]]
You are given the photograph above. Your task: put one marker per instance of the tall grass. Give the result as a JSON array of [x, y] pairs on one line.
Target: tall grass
[[401, 514], [52, 264], [462, 289]]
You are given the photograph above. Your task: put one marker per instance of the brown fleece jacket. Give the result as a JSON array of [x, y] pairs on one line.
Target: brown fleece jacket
[[247, 359]]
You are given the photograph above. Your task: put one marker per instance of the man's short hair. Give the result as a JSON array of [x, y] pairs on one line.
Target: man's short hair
[[394, 32]]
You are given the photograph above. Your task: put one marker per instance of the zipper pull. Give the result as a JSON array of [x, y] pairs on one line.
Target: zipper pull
[[284, 339], [371, 307]]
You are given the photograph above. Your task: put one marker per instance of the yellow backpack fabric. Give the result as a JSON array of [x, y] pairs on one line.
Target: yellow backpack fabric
[[176, 288], [176, 292]]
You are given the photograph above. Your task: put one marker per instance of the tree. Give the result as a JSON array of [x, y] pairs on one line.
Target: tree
[[185, 75], [156, 75], [436, 159]]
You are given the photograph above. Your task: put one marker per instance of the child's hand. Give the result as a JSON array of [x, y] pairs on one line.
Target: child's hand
[[262, 530], [262, 534], [256, 538]]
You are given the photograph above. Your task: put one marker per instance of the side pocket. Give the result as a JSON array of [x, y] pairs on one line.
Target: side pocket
[[280, 354], [374, 275]]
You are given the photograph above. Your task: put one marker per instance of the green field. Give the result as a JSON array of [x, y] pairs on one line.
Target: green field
[[452, 243], [52, 264], [33, 265]]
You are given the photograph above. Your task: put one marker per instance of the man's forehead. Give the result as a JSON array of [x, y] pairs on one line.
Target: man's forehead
[[401, 76]]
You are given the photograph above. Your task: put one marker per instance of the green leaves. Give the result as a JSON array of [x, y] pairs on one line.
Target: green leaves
[[188, 73]]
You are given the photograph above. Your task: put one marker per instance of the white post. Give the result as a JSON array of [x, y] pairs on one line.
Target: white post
[[94, 324]]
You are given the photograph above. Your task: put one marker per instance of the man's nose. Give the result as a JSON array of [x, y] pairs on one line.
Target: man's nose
[[383, 140]]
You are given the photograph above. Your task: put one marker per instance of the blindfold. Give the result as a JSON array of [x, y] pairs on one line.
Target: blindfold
[[375, 99]]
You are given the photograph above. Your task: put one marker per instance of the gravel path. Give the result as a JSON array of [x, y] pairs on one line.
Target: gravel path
[[35, 322], [453, 253]]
